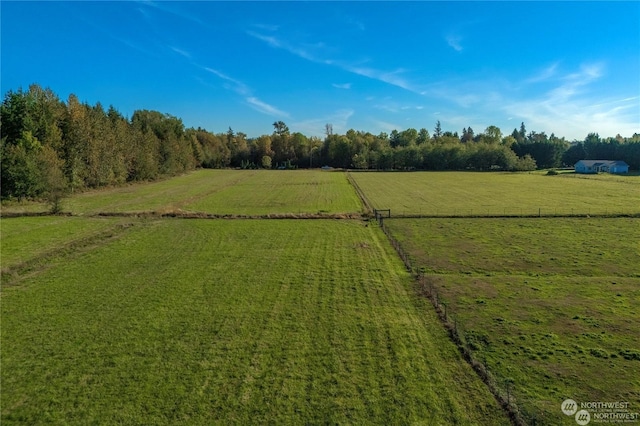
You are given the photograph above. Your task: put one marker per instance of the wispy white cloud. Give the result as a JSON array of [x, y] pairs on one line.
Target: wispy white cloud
[[235, 85], [454, 41], [279, 43], [270, 40], [310, 53], [242, 89], [149, 49], [544, 74], [265, 108], [616, 102], [144, 13], [393, 78], [569, 103], [230, 83], [135, 46], [571, 108], [168, 7], [345, 86], [181, 52], [575, 118], [575, 83]]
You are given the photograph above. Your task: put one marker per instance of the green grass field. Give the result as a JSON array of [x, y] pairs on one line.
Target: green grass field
[[551, 304], [222, 192], [469, 193], [164, 321], [26, 239], [231, 321], [282, 191], [163, 195]]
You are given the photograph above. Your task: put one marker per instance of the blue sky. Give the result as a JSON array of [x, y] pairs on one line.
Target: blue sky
[[568, 68]]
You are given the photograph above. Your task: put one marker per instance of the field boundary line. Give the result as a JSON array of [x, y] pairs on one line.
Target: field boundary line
[[179, 214], [9, 215], [365, 201], [506, 402], [347, 215], [516, 216]]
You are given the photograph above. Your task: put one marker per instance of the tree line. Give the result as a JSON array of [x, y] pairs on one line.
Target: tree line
[[49, 147]]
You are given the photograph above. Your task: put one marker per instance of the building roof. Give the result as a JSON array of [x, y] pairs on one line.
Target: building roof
[[592, 163]]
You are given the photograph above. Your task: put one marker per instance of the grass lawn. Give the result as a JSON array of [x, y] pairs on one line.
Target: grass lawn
[[165, 195], [224, 192], [232, 321], [282, 191], [496, 193], [26, 239], [551, 304]]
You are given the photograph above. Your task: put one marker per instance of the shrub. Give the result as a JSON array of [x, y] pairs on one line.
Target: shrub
[[599, 353], [630, 354]]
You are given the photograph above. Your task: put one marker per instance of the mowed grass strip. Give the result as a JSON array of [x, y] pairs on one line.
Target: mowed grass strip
[[550, 304], [23, 239], [243, 322], [497, 193], [162, 196], [283, 191], [219, 192]]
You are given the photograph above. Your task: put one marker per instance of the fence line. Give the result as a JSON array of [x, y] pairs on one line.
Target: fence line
[[426, 288], [365, 201], [517, 406], [510, 213]]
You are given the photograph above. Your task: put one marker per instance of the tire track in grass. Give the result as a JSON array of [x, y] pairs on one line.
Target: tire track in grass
[[15, 274]]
